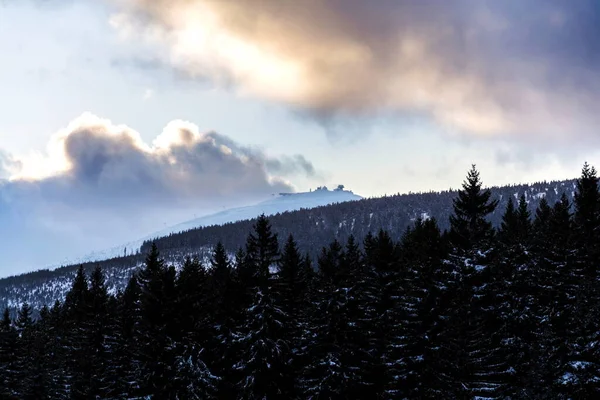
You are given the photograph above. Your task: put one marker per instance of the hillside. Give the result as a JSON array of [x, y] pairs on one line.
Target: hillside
[[313, 228], [277, 204]]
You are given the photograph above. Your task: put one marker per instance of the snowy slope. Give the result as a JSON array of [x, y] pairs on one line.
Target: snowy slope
[[277, 204]]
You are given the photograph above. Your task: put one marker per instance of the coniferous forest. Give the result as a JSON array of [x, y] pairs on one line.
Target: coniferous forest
[[468, 312]]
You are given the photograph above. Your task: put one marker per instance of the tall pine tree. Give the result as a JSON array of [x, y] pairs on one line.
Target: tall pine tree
[[264, 365], [473, 355]]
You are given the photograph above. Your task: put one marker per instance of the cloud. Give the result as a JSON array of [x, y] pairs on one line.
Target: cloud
[[487, 68], [8, 164], [4, 161], [95, 156], [287, 165], [99, 184], [148, 93]]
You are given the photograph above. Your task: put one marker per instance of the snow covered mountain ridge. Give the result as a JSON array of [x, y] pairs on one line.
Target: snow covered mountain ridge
[[279, 203]]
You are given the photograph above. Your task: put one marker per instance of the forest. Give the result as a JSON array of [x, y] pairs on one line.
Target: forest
[[471, 311], [312, 228]]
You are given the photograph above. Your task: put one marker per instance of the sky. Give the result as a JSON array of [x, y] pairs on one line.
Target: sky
[[118, 117]]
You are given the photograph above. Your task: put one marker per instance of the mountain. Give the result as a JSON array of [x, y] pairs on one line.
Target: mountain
[[277, 204], [312, 228]]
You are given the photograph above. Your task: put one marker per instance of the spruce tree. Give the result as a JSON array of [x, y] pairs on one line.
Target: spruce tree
[[475, 362], [191, 308], [511, 295], [587, 223], [40, 385], [127, 356], [112, 384], [193, 378], [550, 277], [55, 338], [262, 251], [421, 282], [156, 345], [581, 370], [264, 365], [327, 376], [293, 280], [25, 357], [470, 228], [362, 353], [8, 357], [76, 310], [97, 325], [382, 256], [222, 320], [245, 280]]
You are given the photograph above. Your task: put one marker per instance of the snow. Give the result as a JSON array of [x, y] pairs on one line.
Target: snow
[[277, 204], [424, 216]]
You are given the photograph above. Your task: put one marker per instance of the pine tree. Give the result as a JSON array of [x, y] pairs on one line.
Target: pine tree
[[551, 248], [126, 357], [421, 281], [362, 353], [587, 223], [40, 378], [55, 339], [8, 357], [581, 377], [244, 282], [293, 285], [512, 297], [76, 309], [97, 332], [232, 331], [25, 357], [193, 378], [327, 376], [156, 345], [542, 269], [382, 255], [191, 307], [262, 251], [469, 227], [222, 320], [475, 364], [264, 366], [222, 291], [111, 380]]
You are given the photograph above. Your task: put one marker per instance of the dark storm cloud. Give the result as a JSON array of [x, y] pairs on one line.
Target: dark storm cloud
[[482, 67]]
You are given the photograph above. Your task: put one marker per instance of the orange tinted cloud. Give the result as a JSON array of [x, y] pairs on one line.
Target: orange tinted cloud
[[483, 67]]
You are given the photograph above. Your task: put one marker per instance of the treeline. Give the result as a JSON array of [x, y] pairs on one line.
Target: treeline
[[471, 312], [317, 227]]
